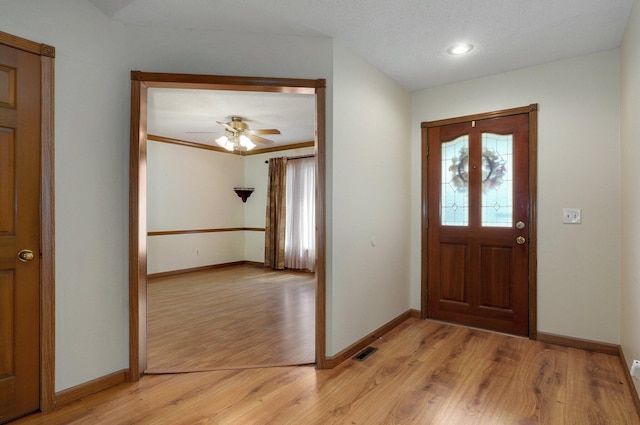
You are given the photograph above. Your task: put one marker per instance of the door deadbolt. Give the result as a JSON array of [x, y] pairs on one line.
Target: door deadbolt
[[25, 255]]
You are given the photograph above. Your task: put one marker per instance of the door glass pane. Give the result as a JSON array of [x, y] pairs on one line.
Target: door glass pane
[[497, 180], [455, 182]]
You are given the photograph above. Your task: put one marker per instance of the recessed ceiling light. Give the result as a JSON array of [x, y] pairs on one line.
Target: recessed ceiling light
[[460, 49]]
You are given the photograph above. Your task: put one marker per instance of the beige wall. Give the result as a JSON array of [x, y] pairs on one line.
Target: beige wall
[[630, 190], [369, 181], [91, 144], [578, 159]]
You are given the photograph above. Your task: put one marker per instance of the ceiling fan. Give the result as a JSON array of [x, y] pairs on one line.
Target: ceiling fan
[[238, 135]]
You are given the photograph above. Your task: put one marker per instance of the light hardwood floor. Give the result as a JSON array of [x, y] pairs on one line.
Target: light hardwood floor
[[424, 372], [237, 316]]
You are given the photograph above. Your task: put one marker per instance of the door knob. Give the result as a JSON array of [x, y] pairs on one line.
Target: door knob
[[520, 240], [25, 255]]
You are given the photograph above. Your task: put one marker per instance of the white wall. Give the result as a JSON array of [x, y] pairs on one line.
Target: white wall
[[370, 180], [91, 141], [190, 189], [578, 158], [630, 189]]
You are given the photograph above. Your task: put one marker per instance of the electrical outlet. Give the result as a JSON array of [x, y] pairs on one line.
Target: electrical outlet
[[571, 215], [635, 369], [197, 252]]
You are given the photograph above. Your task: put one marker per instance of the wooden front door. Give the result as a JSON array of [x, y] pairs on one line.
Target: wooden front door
[[478, 225], [20, 102]]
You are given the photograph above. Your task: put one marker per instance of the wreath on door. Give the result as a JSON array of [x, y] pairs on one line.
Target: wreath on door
[[493, 170]]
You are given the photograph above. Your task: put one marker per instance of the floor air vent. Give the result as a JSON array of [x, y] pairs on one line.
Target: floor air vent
[[365, 353]]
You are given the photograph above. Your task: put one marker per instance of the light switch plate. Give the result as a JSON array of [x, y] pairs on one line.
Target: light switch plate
[[571, 215]]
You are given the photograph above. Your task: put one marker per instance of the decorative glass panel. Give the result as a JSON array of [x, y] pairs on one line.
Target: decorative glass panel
[[497, 180], [455, 182]]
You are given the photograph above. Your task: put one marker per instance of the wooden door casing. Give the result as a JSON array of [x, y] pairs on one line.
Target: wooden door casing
[[20, 119], [46, 54], [460, 261], [140, 83]]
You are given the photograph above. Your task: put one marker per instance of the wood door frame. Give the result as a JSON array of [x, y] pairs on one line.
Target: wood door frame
[[140, 82], [532, 110], [47, 226]]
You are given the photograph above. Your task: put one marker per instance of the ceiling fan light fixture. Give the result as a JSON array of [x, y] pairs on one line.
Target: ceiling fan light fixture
[[246, 142], [222, 141], [226, 143], [239, 137], [460, 49]]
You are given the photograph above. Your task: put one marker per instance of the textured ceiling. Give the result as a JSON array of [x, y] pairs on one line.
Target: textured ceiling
[[408, 39], [405, 39]]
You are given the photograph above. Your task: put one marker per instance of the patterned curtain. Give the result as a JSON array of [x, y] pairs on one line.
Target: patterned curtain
[[274, 235]]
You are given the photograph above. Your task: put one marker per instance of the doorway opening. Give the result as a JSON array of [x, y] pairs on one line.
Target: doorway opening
[[141, 82]]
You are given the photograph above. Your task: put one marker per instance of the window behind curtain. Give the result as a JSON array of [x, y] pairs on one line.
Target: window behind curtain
[[300, 233]]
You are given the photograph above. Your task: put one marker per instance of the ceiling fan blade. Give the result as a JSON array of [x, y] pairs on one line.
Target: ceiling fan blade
[[266, 131], [261, 140], [227, 127]]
